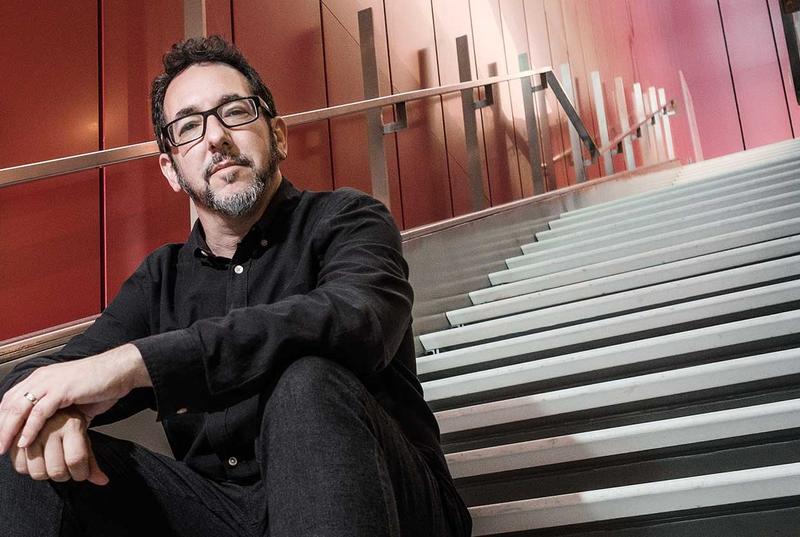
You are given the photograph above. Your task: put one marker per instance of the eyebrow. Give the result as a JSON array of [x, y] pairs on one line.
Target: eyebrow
[[188, 110]]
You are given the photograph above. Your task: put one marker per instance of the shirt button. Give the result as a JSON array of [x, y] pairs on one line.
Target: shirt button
[[238, 269], [182, 411], [233, 461], [264, 243]]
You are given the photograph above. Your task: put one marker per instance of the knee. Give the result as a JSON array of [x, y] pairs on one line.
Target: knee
[[313, 387], [310, 378]]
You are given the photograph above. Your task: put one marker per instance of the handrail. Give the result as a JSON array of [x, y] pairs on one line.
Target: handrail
[[43, 340], [635, 128], [86, 161]]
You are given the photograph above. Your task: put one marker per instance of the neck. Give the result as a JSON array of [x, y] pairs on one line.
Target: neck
[[224, 233]]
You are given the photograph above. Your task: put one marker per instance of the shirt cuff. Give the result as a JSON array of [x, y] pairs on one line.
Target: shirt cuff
[[174, 362]]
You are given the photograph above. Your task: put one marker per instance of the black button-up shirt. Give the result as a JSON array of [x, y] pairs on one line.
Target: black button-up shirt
[[320, 274]]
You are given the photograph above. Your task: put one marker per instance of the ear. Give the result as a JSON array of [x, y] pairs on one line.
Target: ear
[[168, 170], [281, 135]]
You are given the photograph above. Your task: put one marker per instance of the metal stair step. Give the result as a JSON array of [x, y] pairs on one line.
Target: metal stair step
[[638, 352], [627, 390], [646, 216], [683, 185], [657, 229], [675, 495], [533, 265], [691, 429], [634, 279], [614, 304], [640, 260], [604, 329]]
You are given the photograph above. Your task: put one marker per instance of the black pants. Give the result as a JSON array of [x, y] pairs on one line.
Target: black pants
[[335, 465]]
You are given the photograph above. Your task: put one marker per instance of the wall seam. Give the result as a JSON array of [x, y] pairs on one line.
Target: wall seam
[[444, 123], [233, 25], [394, 135], [486, 168], [730, 70], [101, 176], [514, 143], [327, 94]]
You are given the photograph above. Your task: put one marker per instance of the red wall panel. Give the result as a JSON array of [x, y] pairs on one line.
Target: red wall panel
[[540, 56], [49, 229], [141, 210], [756, 72], [345, 84], [451, 20], [560, 55], [285, 47], [579, 44], [515, 42], [498, 120], [421, 147], [703, 59]]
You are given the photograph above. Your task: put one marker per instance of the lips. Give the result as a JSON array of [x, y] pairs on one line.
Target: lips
[[221, 166]]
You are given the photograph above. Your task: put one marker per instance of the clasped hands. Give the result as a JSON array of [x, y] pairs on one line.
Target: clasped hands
[[45, 417]]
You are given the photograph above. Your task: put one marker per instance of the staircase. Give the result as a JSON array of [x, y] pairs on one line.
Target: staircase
[[633, 370]]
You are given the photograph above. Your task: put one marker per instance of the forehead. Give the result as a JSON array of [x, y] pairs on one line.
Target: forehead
[[202, 86]]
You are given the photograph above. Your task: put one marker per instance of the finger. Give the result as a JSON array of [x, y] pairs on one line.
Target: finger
[[76, 455], [19, 460], [54, 459], [15, 411], [35, 458], [96, 475], [37, 416]]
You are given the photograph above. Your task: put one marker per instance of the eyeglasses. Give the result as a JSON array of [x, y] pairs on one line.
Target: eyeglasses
[[233, 113]]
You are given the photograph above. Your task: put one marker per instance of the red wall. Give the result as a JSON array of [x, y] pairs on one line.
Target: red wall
[[69, 242], [49, 230]]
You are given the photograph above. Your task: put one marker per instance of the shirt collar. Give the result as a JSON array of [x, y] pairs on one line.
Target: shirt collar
[[280, 206]]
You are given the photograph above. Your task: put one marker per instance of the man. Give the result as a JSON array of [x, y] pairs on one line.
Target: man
[[275, 345]]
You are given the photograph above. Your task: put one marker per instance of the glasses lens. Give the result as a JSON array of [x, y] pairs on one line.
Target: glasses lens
[[238, 112], [186, 129], [234, 113]]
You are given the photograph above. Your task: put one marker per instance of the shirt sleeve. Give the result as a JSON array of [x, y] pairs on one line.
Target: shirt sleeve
[[124, 319], [357, 315]]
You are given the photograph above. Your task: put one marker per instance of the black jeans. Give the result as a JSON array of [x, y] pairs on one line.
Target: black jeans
[[333, 463]]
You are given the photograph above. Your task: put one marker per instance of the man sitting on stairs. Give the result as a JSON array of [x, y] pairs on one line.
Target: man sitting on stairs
[[275, 345]]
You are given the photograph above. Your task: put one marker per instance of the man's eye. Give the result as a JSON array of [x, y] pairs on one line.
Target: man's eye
[[187, 127], [235, 111]]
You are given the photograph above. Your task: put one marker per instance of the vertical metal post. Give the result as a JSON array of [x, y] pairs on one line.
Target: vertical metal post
[[662, 153], [662, 102], [602, 123], [544, 130], [534, 146], [369, 71], [639, 107], [624, 122], [194, 25], [574, 138], [474, 165]]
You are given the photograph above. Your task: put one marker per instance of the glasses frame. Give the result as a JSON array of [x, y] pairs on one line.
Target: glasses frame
[[258, 102]]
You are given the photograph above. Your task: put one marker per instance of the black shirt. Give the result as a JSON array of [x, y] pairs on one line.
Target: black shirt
[[320, 274]]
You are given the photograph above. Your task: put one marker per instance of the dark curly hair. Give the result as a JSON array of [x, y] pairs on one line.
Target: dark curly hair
[[200, 50]]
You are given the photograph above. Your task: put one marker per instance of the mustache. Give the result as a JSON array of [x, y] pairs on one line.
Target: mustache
[[240, 160]]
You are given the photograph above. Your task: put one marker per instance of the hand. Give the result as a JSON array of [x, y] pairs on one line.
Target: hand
[[62, 451], [95, 383]]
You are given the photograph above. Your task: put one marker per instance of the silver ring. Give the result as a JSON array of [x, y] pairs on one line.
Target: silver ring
[[30, 397]]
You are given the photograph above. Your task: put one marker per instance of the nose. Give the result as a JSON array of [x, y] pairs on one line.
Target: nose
[[217, 134]]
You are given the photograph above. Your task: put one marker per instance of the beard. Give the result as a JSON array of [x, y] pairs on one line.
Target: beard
[[238, 204]]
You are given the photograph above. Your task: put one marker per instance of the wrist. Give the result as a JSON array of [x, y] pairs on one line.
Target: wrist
[[138, 374]]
